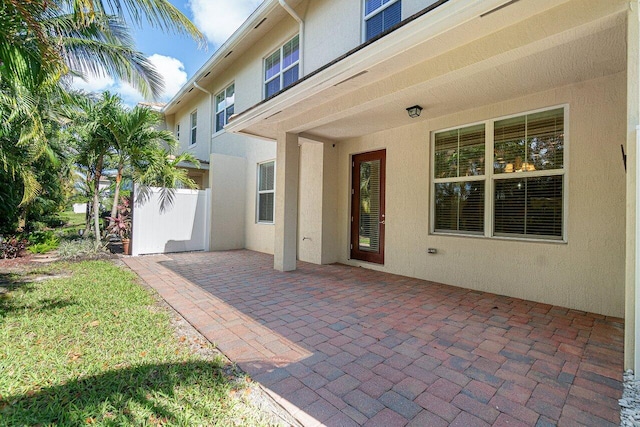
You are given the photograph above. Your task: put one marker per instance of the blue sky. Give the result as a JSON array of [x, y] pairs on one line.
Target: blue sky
[[178, 57], [183, 48]]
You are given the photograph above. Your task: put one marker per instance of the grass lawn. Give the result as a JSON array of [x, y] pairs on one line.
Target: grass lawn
[[91, 347], [73, 221]]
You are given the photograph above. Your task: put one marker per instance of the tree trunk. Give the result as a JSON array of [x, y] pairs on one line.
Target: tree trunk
[[89, 211], [96, 200], [87, 218], [116, 195], [22, 219]]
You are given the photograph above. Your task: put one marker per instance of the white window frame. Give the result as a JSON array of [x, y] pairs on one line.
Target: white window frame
[[193, 139], [178, 131], [259, 192], [282, 71], [366, 17], [224, 109], [490, 179]]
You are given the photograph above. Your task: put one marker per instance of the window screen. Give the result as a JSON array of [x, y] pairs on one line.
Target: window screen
[[266, 192]]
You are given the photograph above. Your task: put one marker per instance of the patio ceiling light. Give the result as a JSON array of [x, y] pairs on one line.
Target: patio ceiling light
[[414, 111]]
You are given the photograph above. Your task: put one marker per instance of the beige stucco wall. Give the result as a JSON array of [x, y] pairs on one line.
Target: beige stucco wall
[[321, 47], [345, 19], [310, 203], [586, 273], [258, 236], [203, 133], [228, 185], [318, 202], [247, 74], [410, 7], [330, 182]]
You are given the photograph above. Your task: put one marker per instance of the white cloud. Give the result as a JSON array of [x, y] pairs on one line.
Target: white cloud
[[93, 83], [218, 19], [171, 70]]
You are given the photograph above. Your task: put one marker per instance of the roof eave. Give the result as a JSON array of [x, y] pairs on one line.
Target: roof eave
[[265, 8]]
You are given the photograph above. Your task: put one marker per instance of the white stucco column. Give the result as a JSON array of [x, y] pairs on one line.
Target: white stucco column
[[632, 296], [286, 221]]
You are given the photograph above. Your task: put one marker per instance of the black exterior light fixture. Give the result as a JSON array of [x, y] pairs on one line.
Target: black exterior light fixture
[[414, 111]]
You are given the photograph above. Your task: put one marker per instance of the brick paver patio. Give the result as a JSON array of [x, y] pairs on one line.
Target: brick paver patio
[[343, 346]]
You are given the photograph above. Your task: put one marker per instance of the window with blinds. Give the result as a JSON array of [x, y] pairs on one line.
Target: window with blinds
[[533, 142], [529, 174], [523, 193], [380, 15], [459, 180], [281, 68], [225, 102], [266, 192]]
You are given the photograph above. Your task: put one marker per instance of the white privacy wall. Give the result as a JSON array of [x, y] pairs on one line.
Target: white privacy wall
[[182, 227]]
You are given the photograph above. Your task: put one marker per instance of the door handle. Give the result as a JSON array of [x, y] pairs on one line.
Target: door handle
[[382, 222]]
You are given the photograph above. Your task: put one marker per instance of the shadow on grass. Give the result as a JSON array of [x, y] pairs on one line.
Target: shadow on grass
[[8, 280], [8, 304], [164, 394]]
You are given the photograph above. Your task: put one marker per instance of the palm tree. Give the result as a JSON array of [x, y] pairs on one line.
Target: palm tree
[[94, 143], [32, 113], [42, 44], [84, 37], [111, 134], [165, 170], [137, 139]]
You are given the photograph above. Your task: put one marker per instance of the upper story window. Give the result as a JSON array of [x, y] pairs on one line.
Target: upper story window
[[225, 101], [380, 15], [281, 68], [520, 192], [194, 127]]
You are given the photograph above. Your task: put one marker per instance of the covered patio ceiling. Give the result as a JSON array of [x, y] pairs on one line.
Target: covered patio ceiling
[[552, 44]]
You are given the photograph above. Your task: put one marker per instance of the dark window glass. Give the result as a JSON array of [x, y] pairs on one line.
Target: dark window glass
[[272, 87], [219, 121], [529, 206], [265, 210], [460, 206], [290, 76]]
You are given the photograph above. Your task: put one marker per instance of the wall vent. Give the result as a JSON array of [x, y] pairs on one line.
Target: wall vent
[[509, 3], [351, 78]]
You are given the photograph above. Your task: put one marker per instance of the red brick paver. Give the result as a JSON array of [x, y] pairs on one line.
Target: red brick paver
[[338, 345]]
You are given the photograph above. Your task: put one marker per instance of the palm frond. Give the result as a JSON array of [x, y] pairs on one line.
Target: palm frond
[[157, 13]]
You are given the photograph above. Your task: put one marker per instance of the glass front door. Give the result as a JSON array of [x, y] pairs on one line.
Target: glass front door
[[367, 206]]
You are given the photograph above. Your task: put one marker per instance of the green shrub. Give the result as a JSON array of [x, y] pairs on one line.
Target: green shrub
[[43, 248], [41, 242], [80, 248], [40, 237]]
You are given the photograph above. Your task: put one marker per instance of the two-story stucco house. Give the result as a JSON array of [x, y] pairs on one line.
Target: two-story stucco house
[[507, 176]]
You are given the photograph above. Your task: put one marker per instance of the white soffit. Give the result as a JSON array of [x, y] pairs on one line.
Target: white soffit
[[482, 60]]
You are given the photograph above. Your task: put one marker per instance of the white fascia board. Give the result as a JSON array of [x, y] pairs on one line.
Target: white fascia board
[[447, 16], [264, 10]]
